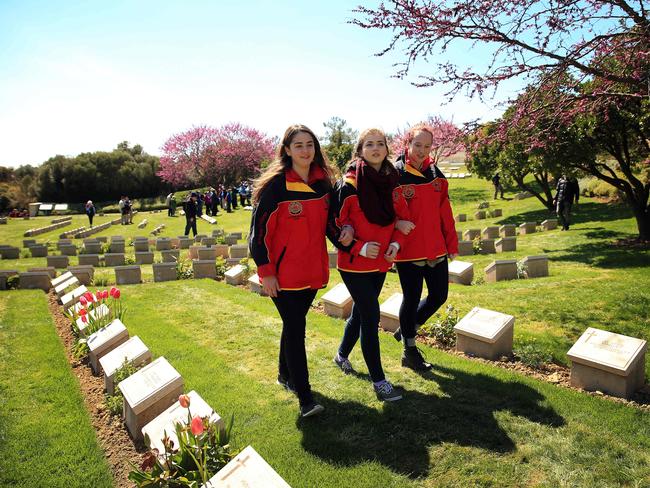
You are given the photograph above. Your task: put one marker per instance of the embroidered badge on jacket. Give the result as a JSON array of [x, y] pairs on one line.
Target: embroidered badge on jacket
[[408, 191], [295, 208]]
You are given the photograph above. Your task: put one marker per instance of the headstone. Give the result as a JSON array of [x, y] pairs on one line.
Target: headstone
[[89, 259], [104, 341], [496, 212], [51, 270], [232, 262], [114, 259], [508, 230], [459, 235], [61, 288], [204, 268], [97, 313], [255, 285], [485, 333], [506, 244], [38, 250], [4, 276], [208, 219], [333, 257], [487, 246], [465, 248], [84, 273], [61, 279], [528, 228], [230, 240], [148, 393], [92, 247], [193, 252], [247, 469], [222, 250], [102, 239], [389, 313], [3, 220], [536, 266], [184, 242], [117, 247], [10, 252], [479, 215], [208, 241], [608, 362], [33, 208], [501, 270], [198, 238], [163, 244], [128, 275], [34, 280], [28, 242], [164, 272], [170, 256], [132, 351], [491, 232], [217, 232], [337, 302], [235, 275], [471, 234], [63, 242], [549, 224], [143, 257], [69, 250], [72, 297], [238, 235], [461, 272], [164, 425], [141, 245], [461, 218], [239, 251], [207, 253]]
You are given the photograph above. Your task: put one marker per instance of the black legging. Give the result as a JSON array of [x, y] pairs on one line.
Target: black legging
[[413, 311], [293, 306], [191, 224], [364, 320]]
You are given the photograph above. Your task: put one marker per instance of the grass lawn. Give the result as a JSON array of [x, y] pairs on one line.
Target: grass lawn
[[46, 438]]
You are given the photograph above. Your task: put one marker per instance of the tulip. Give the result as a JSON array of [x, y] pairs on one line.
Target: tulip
[[105, 294], [184, 400], [112, 292], [89, 297], [83, 311], [197, 425], [83, 301], [84, 319], [117, 293]]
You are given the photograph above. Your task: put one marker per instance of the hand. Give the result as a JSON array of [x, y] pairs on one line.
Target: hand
[[347, 234], [372, 251], [391, 253], [271, 286], [452, 256], [404, 226]]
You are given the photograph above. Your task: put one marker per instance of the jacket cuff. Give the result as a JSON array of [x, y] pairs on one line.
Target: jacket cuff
[[356, 247], [266, 270]]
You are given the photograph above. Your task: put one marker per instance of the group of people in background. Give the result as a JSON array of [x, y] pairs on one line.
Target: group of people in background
[[377, 214], [126, 210]]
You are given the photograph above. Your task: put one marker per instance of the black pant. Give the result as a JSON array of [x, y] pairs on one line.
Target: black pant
[[90, 219], [413, 311], [170, 212], [564, 213], [364, 320], [190, 224], [293, 306]]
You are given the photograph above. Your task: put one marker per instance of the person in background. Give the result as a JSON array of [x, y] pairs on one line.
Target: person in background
[[496, 181], [567, 191], [242, 193], [191, 208], [90, 212], [214, 202], [208, 202], [168, 202]]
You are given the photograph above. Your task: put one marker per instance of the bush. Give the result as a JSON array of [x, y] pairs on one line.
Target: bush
[[442, 330], [221, 267], [522, 270], [531, 355], [115, 403], [12, 282], [483, 205], [593, 187], [184, 269]]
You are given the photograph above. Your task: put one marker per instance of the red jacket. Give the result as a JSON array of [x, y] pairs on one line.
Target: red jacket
[[287, 236], [427, 197], [347, 211]]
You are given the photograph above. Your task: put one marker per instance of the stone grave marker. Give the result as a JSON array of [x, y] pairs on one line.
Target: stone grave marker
[[506, 244], [164, 272], [508, 230], [51, 270], [208, 241], [133, 351], [89, 259], [549, 224], [230, 240], [461, 272], [490, 232], [114, 259], [238, 251], [141, 245], [608, 362], [465, 248], [10, 252], [92, 247], [235, 275], [207, 253], [471, 234], [148, 393], [461, 218], [84, 273], [459, 235], [247, 469], [170, 255], [198, 238], [68, 250], [184, 242], [535, 266], [194, 251], [332, 257], [479, 214], [116, 247], [34, 280], [487, 246], [72, 297], [222, 250], [61, 288], [389, 313], [95, 314], [337, 302], [143, 257], [204, 268], [4, 276], [28, 242], [61, 279], [63, 242], [163, 244], [496, 212], [164, 424], [208, 219], [232, 262], [128, 275], [256, 285], [238, 234], [501, 270], [217, 232], [485, 333], [38, 250], [528, 228]]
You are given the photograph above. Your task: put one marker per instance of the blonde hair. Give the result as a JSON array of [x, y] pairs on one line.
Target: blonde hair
[[358, 148]]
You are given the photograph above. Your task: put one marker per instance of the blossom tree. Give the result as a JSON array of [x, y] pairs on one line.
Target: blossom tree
[[447, 139]]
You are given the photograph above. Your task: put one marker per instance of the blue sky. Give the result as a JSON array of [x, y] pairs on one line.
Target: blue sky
[[84, 75]]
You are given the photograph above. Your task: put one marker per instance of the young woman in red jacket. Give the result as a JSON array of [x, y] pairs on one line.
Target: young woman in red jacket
[[423, 256], [287, 242], [369, 199]]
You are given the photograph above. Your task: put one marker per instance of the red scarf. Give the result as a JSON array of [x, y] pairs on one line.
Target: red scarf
[[425, 164], [375, 191]]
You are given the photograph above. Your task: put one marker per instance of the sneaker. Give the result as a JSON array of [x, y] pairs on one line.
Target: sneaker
[[412, 358], [386, 392], [311, 409], [344, 364], [398, 334], [286, 383]]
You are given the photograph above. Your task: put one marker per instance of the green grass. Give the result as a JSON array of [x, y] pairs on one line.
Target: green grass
[[46, 438]]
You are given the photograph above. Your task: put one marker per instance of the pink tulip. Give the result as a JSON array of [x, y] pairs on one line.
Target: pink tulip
[[89, 297], [117, 293], [184, 400], [83, 301], [105, 294], [84, 319], [112, 292], [197, 425]]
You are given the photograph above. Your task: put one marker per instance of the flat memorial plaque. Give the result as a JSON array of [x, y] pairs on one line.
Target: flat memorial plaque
[[64, 277], [459, 267], [144, 388], [73, 297], [484, 325], [608, 351], [339, 295], [391, 306], [61, 287], [133, 351], [247, 469]]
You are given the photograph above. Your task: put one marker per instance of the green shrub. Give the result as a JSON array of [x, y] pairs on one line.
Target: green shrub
[[442, 330], [221, 267], [531, 355], [522, 270], [184, 269], [115, 403], [12, 282]]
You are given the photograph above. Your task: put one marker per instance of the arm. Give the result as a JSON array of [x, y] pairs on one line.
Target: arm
[[403, 224], [338, 215], [263, 224]]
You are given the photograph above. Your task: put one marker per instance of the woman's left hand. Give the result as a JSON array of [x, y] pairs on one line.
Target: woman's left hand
[[452, 256], [391, 253]]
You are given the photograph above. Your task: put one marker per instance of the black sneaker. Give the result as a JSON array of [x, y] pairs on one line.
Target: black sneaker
[[412, 358], [398, 334], [311, 409], [286, 383], [344, 364], [387, 393]]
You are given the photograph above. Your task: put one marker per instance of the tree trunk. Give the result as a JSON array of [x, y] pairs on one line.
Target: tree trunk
[[548, 203], [642, 215]]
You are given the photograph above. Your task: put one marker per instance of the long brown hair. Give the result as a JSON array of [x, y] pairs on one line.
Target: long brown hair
[[282, 161]]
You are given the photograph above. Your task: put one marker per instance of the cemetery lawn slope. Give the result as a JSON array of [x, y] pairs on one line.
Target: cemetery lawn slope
[[46, 438], [464, 424]]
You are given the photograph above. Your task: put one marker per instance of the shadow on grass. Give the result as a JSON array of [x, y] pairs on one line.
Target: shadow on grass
[[464, 195], [582, 213], [400, 436], [601, 254]]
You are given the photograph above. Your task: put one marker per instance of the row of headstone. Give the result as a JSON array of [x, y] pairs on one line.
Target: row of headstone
[[208, 219], [72, 232], [158, 229], [47, 228], [60, 219], [507, 269], [143, 224]]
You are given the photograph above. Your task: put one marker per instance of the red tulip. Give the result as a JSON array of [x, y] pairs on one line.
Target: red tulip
[[197, 425], [83, 301], [184, 400], [83, 311], [89, 297], [84, 319], [112, 292], [105, 294], [117, 293]]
